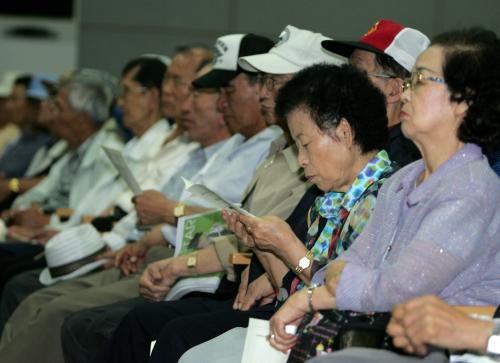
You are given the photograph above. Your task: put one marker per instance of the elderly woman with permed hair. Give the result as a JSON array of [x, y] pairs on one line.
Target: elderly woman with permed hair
[[436, 225]]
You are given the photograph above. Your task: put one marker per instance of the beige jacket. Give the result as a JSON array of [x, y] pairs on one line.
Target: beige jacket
[[275, 189]]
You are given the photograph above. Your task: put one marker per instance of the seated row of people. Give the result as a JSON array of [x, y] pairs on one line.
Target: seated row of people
[[308, 134]]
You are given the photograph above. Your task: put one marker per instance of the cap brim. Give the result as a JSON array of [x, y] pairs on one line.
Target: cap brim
[[215, 78], [268, 63], [50, 86], [345, 49], [46, 279]]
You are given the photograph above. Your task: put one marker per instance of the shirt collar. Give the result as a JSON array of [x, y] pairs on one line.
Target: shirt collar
[[148, 144], [212, 149]]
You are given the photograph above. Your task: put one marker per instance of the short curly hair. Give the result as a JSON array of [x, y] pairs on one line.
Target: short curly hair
[[471, 69], [330, 93]]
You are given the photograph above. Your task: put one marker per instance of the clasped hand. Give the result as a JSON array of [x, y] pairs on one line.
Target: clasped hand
[[158, 278]]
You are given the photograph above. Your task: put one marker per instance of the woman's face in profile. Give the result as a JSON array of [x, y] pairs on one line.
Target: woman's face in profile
[[427, 111], [323, 156]]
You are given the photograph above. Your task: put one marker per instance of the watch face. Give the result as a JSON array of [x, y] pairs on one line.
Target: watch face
[[191, 262], [304, 262], [179, 210]]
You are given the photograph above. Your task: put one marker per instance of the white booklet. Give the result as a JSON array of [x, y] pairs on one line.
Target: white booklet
[[193, 233], [203, 192], [116, 157], [257, 348]]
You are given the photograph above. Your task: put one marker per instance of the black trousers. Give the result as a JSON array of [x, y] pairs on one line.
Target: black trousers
[[176, 326], [15, 258], [86, 334]]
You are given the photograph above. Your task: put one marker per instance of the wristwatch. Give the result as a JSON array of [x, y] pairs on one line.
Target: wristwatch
[[493, 346], [304, 263], [179, 210], [14, 185], [191, 263]]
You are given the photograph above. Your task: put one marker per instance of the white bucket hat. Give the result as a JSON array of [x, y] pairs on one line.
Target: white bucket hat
[[295, 50], [71, 253]]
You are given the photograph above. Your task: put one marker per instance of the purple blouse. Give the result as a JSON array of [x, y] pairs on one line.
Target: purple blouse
[[442, 237]]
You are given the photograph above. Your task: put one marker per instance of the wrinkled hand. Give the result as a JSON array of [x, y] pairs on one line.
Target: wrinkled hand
[[259, 291], [158, 278], [109, 255], [21, 234], [30, 218], [242, 288], [154, 208], [428, 320], [291, 313], [130, 257], [234, 224], [268, 233]]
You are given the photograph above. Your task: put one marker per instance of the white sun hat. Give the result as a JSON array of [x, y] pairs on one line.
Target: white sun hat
[[71, 253]]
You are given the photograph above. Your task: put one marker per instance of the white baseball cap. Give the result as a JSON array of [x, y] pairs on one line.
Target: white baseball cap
[[228, 49], [295, 50]]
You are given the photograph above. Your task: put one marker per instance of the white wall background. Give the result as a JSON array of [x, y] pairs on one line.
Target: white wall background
[[113, 31]]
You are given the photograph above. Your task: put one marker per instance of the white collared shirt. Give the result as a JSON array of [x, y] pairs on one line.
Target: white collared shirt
[[44, 157], [108, 187], [94, 164]]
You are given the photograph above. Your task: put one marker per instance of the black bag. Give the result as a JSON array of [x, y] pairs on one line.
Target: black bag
[[327, 331]]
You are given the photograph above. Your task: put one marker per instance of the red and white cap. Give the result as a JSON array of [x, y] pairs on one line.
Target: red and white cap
[[401, 43]]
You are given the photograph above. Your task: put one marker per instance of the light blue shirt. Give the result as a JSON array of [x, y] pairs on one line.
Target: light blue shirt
[[229, 170]]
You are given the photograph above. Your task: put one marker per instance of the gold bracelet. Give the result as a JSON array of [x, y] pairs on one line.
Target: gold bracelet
[[310, 291], [14, 185]]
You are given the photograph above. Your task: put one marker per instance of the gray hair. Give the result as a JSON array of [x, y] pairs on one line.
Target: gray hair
[[92, 91]]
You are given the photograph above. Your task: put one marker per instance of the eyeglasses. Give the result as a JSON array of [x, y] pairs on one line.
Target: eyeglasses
[[380, 75], [417, 78], [271, 83], [126, 91]]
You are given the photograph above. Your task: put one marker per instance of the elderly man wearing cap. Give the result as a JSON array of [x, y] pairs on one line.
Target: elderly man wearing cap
[[8, 130], [387, 52], [23, 106], [275, 179], [43, 159]]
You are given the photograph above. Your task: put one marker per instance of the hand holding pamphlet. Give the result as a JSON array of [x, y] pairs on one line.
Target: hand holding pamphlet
[[116, 157], [215, 199]]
